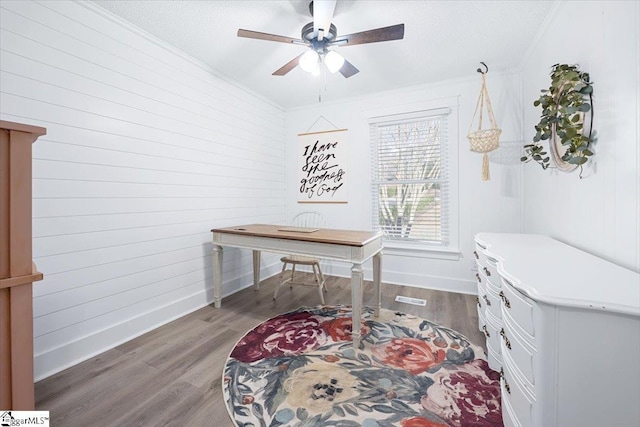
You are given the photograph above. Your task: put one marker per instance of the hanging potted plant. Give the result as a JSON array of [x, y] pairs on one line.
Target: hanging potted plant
[[566, 120], [488, 139]]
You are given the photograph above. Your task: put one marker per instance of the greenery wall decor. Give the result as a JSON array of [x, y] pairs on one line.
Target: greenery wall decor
[[565, 106]]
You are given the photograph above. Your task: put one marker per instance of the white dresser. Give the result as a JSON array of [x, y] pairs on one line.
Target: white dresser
[[563, 328]]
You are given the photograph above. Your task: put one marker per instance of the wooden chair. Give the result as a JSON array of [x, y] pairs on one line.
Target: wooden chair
[[306, 220]]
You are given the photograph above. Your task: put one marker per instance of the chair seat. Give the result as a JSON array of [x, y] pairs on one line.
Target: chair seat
[[299, 259], [294, 260], [303, 222]]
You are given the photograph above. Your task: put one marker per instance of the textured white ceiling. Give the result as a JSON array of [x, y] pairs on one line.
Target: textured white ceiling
[[443, 40]]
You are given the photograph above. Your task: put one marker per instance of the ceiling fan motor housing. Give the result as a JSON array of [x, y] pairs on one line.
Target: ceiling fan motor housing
[[318, 45]]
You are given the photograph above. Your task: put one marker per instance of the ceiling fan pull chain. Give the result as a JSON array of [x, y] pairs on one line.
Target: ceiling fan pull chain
[[324, 77]]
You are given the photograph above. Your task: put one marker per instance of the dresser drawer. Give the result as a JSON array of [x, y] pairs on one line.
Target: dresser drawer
[[515, 397], [494, 359], [479, 254], [483, 298], [519, 307], [481, 317], [520, 355], [492, 301], [509, 418], [494, 326], [490, 328], [488, 265], [481, 301], [490, 269], [480, 276]]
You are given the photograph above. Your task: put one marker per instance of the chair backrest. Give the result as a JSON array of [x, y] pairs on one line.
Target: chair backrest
[[309, 220]]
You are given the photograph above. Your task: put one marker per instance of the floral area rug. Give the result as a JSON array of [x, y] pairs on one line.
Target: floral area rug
[[300, 369]]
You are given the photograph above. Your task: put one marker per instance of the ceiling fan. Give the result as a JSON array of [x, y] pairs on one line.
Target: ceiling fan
[[320, 35]]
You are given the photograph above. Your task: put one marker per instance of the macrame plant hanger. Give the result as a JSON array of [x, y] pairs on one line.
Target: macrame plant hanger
[[484, 140]]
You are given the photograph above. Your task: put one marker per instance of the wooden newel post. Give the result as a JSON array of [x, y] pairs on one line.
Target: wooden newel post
[[17, 271]]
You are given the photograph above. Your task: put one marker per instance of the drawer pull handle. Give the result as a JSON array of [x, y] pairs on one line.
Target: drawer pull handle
[[501, 372], [486, 271], [484, 297], [476, 254], [505, 300], [506, 340], [478, 301], [478, 277], [486, 332], [506, 386]]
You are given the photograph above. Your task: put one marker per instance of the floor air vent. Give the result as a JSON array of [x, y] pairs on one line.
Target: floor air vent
[[408, 300]]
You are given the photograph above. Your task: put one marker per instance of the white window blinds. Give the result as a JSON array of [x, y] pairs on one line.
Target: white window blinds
[[410, 177]]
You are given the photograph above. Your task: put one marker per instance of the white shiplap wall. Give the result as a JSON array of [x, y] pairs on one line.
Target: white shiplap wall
[[146, 151], [599, 213]]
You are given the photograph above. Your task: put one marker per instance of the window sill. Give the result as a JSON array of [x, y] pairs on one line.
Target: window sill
[[419, 251]]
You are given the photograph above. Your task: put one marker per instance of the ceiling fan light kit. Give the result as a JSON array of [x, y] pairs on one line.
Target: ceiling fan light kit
[[309, 61], [334, 61], [315, 36]]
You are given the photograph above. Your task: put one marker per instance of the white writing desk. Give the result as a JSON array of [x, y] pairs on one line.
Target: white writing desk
[[354, 247]]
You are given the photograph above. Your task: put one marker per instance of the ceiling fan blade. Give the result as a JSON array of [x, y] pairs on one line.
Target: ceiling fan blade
[[266, 36], [394, 32], [322, 16], [288, 66], [348, 69]]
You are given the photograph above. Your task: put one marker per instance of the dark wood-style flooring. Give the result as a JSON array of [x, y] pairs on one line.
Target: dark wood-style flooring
[[172, 375]]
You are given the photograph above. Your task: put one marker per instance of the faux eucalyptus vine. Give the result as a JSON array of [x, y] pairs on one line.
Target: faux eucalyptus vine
[[564, 105]]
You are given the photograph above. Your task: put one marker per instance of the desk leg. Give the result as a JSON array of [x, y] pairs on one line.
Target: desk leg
[[377, 274], [356, 303], [217, 276], [256, 270]]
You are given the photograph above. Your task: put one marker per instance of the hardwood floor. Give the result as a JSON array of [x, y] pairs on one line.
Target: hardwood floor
[[172, 375]]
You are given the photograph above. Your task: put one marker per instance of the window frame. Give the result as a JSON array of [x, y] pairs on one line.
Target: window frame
[[422, 249]]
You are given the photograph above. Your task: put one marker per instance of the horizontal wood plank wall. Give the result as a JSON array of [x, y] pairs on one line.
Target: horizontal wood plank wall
[[146, 151]]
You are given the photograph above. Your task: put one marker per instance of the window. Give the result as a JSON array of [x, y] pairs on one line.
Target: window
[[411, 186]]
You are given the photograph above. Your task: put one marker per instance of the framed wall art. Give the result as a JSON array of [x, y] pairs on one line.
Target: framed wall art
[[322, 167]]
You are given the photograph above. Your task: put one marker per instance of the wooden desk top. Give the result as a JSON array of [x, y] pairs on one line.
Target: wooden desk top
[[322, 235]]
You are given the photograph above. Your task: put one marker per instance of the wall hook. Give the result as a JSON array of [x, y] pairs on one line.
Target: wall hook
[[486, 70]]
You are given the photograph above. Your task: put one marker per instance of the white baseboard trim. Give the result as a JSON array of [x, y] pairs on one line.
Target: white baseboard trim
[[407, 279], [69, 354]]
